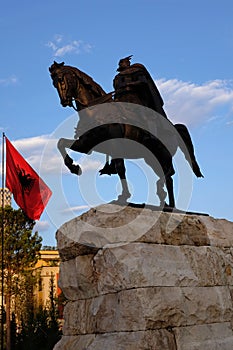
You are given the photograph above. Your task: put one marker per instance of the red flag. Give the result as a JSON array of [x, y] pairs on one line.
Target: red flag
[[29, 190]]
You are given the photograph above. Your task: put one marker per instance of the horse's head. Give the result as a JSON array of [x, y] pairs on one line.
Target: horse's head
[[65, 81]]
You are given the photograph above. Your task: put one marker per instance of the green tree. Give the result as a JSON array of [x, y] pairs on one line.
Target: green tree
[[53, 314], [42, 330], [21, 248]]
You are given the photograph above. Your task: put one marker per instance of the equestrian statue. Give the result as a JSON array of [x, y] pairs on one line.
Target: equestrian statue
[[127, 123]]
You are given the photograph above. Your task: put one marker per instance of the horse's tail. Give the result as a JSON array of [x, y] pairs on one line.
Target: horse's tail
[[187, 145]]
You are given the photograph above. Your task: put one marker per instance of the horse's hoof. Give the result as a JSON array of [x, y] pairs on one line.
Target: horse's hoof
[[165, 205], [75, 169]]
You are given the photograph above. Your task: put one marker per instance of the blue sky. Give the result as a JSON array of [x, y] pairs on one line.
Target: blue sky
[[187, 47]]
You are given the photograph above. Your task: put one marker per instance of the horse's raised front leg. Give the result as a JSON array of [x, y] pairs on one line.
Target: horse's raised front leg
[[120, 169], [71, 144]]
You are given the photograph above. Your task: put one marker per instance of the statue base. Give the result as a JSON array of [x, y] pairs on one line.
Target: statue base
[[141, 279]]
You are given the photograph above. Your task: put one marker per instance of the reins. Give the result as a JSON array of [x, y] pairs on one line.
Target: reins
[[96, 101]]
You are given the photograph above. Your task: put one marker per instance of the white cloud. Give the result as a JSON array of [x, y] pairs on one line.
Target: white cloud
[[31, 144], [51, 45], [192, 104], [40, 152], [76, 208], [58, 38], [41, 226], [89, 164], [65, 49], [61, 46], [12, 80]]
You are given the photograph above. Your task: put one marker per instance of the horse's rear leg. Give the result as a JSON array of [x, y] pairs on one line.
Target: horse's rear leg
[[162, 194], [169, 185], [165, 179], [120, 169]]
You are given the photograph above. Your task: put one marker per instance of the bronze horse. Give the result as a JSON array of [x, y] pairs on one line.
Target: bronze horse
[[78, 90]]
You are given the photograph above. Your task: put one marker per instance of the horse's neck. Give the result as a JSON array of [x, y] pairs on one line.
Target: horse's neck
[[88, 97], [84, 97], [88, 90]]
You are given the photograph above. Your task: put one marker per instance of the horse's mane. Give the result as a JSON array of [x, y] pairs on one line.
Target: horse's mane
[[87, 81]]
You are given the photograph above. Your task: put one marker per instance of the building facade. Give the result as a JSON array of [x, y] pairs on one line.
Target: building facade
[[47, 273], [5, 197]]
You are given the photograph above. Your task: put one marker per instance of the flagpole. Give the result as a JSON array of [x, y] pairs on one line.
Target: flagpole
[[2, 240]]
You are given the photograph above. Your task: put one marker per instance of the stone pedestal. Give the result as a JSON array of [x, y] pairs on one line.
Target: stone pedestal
[[138, 279]]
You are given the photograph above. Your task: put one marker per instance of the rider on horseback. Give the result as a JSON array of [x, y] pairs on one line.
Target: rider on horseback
[[134, 84], [129, 120]]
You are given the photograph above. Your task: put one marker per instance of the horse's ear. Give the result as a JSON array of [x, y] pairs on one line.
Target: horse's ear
[[58, 64]]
